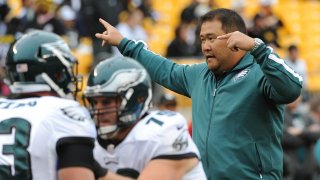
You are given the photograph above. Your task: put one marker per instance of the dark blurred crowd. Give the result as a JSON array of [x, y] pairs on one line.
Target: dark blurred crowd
[[75, 19], [72, 19], [264, 25]]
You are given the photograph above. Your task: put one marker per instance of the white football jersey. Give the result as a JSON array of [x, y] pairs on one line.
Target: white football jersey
[[29, 131], [160, 135]]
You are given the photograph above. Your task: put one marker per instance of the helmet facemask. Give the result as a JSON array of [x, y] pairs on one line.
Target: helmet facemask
[[127, 111], [106, 117], [126, 79], [68, 79], [55, 70]]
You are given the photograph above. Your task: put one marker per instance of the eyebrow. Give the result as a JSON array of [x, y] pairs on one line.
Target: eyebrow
[[209, 34]]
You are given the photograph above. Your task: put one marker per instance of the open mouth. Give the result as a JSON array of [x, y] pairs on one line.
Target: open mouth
[[210, 57]]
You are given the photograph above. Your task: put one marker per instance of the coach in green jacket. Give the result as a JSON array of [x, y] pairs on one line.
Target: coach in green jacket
[[238, 96]]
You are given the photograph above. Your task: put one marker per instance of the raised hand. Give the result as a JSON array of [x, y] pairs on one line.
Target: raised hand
[[238, 41], [110, 36]]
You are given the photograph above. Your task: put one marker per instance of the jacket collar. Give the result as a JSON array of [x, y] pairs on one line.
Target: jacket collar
[[244, 62]]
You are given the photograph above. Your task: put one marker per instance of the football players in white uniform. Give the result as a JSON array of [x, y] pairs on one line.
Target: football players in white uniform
[[44, 135], [132, 141]]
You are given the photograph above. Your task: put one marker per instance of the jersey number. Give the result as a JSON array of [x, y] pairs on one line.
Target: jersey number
[[21, 167], [162, 113]]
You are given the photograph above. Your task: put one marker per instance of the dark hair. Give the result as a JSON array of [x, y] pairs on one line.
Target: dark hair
[[292, 48], [230, 20], [177, 30]]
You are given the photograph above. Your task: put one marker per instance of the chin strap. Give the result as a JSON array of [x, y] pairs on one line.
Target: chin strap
[[54, 86], [108, 132]]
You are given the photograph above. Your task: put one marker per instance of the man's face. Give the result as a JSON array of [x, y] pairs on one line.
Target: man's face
[[215, 51], [105, 109], [293, 55]]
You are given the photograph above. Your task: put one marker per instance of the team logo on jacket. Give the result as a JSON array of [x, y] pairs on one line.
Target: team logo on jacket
[[240, 75]]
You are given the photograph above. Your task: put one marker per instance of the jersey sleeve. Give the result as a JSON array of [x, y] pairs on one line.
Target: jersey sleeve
[[173, 140], [281, 83], [71, 121]]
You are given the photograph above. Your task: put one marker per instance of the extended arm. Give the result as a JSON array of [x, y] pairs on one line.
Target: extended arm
[[163, 71]]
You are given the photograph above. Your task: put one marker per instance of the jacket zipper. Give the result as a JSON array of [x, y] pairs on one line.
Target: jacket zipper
[[207, 138], [259, 161]]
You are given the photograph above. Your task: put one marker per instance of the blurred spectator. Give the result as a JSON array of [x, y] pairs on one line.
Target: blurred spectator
[[270, 23], [27, 13], [45, 18], [239, 7], [146, 7], [190, 15], [271, 20], [10, 29], [179, 46], [297, 64], [168, 102], [90, 12], [132, 27], [74, 4], [4, 44], [4, 11], [195, 10], [257, 28], [300, 134], [68, 17]]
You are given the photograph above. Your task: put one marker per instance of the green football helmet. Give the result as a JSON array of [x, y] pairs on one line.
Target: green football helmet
[[119, 77], [41, 61]]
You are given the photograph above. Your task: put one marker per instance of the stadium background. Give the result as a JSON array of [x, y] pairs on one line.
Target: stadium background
[[301, 27], [301, 20]]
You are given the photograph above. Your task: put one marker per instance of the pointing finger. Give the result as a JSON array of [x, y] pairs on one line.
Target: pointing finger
[[104, 23], [225, 36]]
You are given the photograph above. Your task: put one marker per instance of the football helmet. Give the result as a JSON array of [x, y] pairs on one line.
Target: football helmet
[[126, 79], [41, 61]]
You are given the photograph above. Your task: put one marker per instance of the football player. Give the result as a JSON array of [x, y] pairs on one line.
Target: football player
[[131, 140], [44, 134]]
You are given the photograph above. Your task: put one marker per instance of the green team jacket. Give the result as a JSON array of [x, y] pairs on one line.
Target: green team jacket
[[238, 119]]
